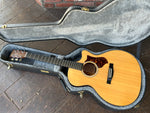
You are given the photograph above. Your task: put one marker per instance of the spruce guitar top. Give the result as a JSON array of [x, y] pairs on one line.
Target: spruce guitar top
[[115, 75]]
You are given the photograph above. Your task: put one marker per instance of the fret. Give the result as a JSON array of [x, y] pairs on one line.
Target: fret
[[75, 66], [61, 62], [70, 64], [58, 62], [80, 66], [48, 61], [37, 57], [34, 56], [41, 58], [55, 61], [45, 58], [52, 60], [65, 63], [30, 55]]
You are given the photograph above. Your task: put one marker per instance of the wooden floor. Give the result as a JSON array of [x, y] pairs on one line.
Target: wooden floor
[[26, 92]]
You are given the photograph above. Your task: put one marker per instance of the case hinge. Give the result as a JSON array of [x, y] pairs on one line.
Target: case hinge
[[4, 26], [85, 9]]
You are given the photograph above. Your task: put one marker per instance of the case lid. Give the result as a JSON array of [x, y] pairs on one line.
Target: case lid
[[114, 23]]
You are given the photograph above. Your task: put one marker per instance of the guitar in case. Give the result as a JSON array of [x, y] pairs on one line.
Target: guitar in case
[[114, 77]]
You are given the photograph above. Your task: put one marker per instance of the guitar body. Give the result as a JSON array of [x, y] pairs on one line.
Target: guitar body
[[125, 85]]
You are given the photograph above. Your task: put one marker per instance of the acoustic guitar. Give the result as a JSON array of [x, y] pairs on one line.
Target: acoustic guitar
[[115, 75]]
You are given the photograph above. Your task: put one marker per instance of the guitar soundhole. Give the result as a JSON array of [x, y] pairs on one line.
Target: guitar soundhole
[[89, 69]]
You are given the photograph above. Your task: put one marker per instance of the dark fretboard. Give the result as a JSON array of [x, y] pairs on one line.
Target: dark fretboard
[[55, 61]]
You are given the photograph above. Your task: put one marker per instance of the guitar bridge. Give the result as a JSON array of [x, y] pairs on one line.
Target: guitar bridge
[[110, 73]]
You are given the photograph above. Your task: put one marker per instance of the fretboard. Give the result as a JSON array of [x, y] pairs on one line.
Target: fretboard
[[55, 61]]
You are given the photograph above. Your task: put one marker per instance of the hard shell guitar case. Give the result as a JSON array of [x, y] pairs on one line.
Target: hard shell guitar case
[[115, 23]]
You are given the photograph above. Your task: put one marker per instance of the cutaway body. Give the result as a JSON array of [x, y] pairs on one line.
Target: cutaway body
[[125, 85]]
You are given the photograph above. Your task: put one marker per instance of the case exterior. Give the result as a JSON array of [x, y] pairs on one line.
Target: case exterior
[[114, 23], [41, 67]]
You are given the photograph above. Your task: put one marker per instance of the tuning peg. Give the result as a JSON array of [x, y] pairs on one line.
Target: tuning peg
[[12, 59], [16, 59]]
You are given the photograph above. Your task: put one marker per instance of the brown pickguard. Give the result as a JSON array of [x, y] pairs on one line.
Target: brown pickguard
[[100, 61]]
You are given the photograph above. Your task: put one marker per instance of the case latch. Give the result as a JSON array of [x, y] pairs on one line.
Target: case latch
[[44, 71], [81, 94], [85, 9], [9, 66]]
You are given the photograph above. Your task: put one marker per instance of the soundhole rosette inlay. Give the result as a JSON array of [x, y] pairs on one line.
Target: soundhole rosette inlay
[[89, 69]]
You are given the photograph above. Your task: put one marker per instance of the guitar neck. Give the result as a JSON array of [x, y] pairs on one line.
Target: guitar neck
[[55, 61]]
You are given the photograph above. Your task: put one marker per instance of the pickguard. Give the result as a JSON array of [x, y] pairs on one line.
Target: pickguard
[[100, 61]]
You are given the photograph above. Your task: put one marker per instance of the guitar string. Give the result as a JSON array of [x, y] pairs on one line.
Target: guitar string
[[56, 61]]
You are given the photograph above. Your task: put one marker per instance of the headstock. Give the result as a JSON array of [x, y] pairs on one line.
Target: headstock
[[17, 55]]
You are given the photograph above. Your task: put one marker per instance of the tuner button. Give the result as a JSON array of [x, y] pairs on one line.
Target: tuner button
[[12, 59], [16, 59]]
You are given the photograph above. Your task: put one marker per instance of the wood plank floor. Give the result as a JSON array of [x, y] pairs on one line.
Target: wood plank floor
[[26, 92]]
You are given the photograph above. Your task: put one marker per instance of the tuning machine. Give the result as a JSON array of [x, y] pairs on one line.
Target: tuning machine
[[16, 59], [12, 59]]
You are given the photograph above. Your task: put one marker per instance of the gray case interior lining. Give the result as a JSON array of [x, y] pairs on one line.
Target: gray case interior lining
[[114, 23], [62, 72]]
